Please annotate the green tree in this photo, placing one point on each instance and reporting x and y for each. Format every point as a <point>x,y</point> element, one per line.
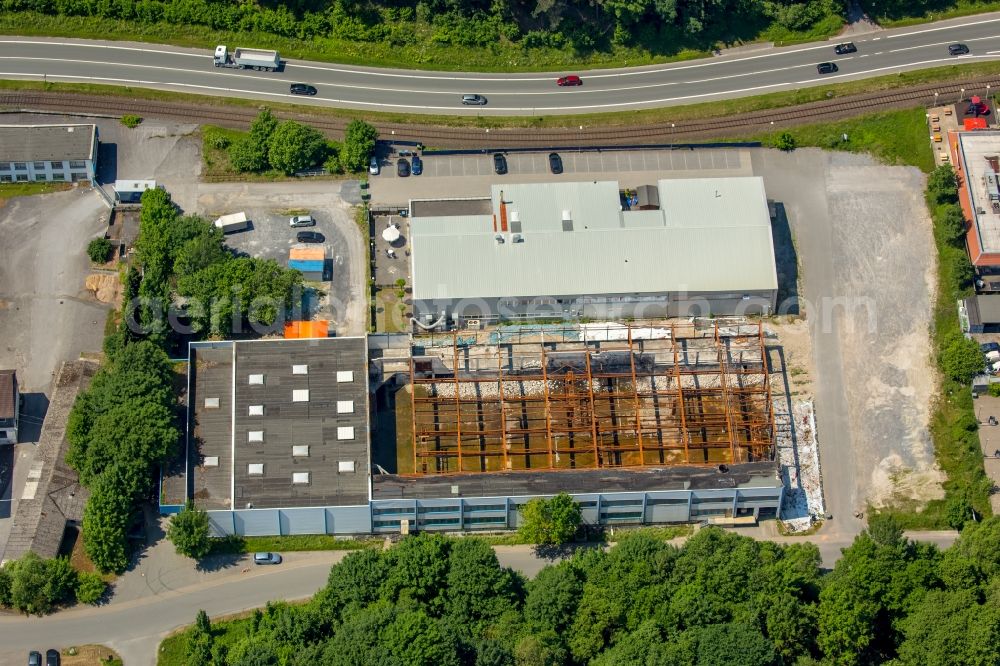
<point>478,591</point>
<point>415,639</point>
<point>734,645</point>
<point>295,147</point>
<point>250,154</point>
<point>358,146</point>
<point>550,521</point>
<point>99,250</point>
<point>105,522</point>
<point>541,649</point>
<point>961,358</point>
<point>37,586</point>
<point>785,141</point>
<point>354,583</point>
<point>418,571</point>
<point>553,596</point>
<point>189,531</point>
<point>200,252</point>
<point>884,529</point>
<point>951,627</point>
<point>5,584</point>
<point>942,185</point>
<point>951,223</point>
<point>961,272</point>
<point>90,587</point>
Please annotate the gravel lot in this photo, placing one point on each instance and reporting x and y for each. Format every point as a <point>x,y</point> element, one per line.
<point>269,205</point>
<point>46,314</point>
<point>864,245</point>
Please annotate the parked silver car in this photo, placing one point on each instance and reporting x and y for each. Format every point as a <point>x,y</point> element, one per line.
<point>302,221</point>
<point>266,558</point>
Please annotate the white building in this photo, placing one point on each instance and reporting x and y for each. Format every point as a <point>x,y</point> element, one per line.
<point>53,153</point>
<point>685,247</point>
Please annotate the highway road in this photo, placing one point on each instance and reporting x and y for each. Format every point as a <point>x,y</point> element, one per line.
<point>748,72</point>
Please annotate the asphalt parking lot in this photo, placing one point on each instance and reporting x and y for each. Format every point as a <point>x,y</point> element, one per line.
<point>341,300</point>
<point>630,168</point>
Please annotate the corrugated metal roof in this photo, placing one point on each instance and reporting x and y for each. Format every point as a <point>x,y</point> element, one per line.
<point>712,234</point>
<point>306,265</point>
<point>46,143</point>
<point>307,253</point>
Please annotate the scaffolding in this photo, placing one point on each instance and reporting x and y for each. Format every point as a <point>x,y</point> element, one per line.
<point>695,394</point>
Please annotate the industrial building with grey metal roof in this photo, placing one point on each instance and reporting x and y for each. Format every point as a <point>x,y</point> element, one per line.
<point>588,249</point>
<point>279,423</point>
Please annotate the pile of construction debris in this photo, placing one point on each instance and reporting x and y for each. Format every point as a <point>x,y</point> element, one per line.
<point>798,457</point>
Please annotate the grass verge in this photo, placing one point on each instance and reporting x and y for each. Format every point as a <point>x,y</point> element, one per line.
<point>893,137</point>
<point>901,138</point>
<point>287,544</point>
<point>10,191</point>
<point>961,8</point>
<point>948,74</point>
<point>90,655</point>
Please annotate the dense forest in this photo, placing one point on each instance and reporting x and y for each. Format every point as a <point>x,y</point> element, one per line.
<point>721,599</point>
<point>658,27</point>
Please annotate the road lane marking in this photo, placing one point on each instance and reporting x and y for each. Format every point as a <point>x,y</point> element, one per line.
<point>530,109</point>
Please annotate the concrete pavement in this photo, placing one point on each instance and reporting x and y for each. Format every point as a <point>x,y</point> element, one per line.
<point>733,74</point>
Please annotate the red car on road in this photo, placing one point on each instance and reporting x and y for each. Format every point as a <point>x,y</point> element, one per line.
<point>571,80</point>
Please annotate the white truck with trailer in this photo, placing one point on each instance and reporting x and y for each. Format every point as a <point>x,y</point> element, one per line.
<point>256,59</point>
<point>232,222</point>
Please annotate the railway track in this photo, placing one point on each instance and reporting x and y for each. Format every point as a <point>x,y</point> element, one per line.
<point>239,117</point>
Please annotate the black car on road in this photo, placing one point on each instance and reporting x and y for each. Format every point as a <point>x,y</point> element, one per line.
<point>499,164</point>
<point>845,48</point>
<point>52,658</point>
<point>418,165</point>
<point>309,237</point>
<point>302,89</point>
<point>555,163</point>
<point>827,67</point>
<point>957,49</point>
<point>402,168</point>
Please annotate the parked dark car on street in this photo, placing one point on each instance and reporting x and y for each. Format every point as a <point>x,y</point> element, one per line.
<point>958,49</point>
<point>302,89</point>
<point>418,165</point>
<point>845,48</point>
<point>402,168</point>
<point>555,163</point>
<point>309,237</point>
<point>499,164</point>
<point>52,658</point>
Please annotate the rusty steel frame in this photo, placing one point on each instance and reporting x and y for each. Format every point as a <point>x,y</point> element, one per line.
<point>702,396</point>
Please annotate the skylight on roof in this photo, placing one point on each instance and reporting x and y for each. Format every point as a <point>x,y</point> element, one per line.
<point>257,380</point>
<point>256,410</point>
<point>300,477</point>
<point>300,369</point>
<point>345,406</point>
<point>255,469</point>
<point>345,432</point>
<point>255,436</point>
<point>300,395</point>
<point>345,376</point>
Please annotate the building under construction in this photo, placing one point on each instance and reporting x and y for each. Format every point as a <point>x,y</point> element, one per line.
<point>641,424</point>
<point>592,397</point>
